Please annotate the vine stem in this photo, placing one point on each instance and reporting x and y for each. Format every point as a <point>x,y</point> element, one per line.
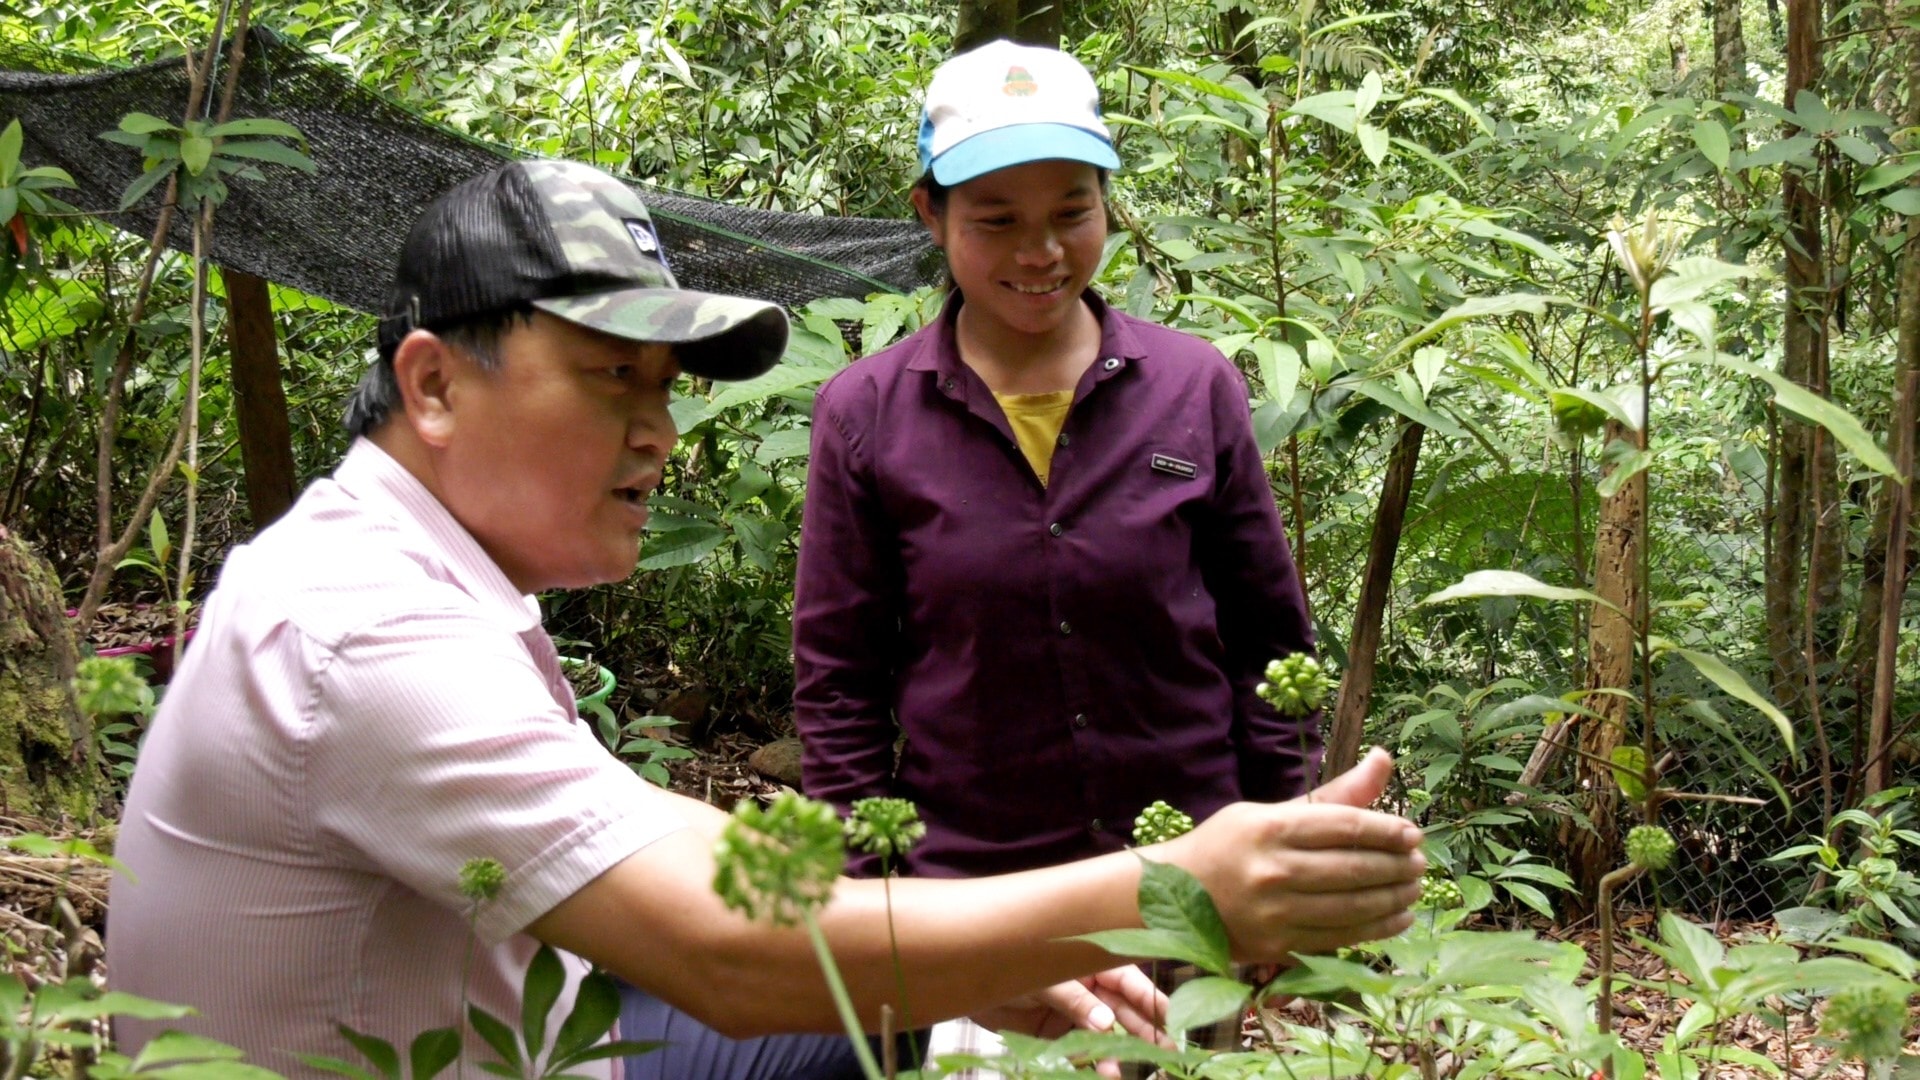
<point>1604,909</point>
<point>840,1000</point>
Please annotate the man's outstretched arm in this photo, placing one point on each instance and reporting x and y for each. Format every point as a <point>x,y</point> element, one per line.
<point>1309,875</point>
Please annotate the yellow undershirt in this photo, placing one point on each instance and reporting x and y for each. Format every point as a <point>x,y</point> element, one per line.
<point>1036,420</point>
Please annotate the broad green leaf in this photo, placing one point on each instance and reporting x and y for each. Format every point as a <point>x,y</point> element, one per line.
<point>11,140</point>
<point>157,539</point>
<point>1693,951</point>
<point>1698,1017</point>
<point>195,152</point>
<point>1735,684</point>
<point>139,123</point>
<point>1473,308</point>
<point>1625,468</point>
<point>1279,368</point>
<point>210,1070</point>
<point>169,1046</point>
<point>1172,899</point>
<point>1709,716</point>
<point>1466,109</point>
<point>1887,174</point>
<point>270,152</point>
<point>1510,583</point>
<point>1151,945</point>
<point>1712,140</point>
<point>1398,402</point>
<point>1798,149</point>
<point>336,1066</point>
<point>1202,1001</point>
<point>117,1003</point>
<point>783,444</point>
<point>1206,87</point>
<point>1905,201</point>
<point>760,539</point>
<point>1373,141</point>
<point>1491,957</point>
<point>432,1051</point>
<point>1566,401</point>
<point>1491,230</point>
<point>254,126</point>
<point>1884,954</point>
<point>148,180</point>
<point>782,378</point>
<point>1815,409</point>
<point>1334,107</point>
<point>498,1036</point>
<point>681,547</point>
<point>1696,317</point>
<point>595,1009</point>
<point>1365,98</point>
<point>1687,279</point>
<point>1630,771</point>
<point>378,1052</point>
<point>9,206</point>
<point>1428,364</point>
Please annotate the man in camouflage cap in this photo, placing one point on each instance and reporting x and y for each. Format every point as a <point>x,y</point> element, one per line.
<point>371,706</point>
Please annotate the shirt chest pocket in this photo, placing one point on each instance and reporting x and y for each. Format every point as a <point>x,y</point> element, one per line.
<point>1167,483</point>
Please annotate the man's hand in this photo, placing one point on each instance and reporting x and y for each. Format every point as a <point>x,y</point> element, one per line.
<point>1122,995</point>
<point>1309,875</point>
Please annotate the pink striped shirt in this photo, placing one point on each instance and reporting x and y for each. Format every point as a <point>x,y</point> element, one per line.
<point>369,703</point>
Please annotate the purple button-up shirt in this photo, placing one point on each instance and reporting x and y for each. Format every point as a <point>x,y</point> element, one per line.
<point>1057,657</point>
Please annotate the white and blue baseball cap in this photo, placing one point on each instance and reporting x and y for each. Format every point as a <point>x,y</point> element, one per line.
<point>1004,104</point>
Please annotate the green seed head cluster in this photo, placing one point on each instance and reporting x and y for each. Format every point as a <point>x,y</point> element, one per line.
<point>1869,1021</point>
<point>884,827</point>
<point>1159,822</point>
<point>1295,685</point>
<point>110,686</point>
<point>779,863</point>
<point>1650,847</point>
<point>1439,892</point>
<point>480,879</point>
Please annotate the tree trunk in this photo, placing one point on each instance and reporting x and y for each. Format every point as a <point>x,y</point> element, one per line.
<point>1800,471</point>
<point>1729,54</point>
<point>1677,50</point>
<point>1032,22</point>
<point>47,758</point>
<point>266,444</point>
<point>1611,644</point>
<point>1899,498</point>
<point>1363,647</point>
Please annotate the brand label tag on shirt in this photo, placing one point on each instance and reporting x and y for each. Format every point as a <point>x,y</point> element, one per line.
<point>1173,466</point>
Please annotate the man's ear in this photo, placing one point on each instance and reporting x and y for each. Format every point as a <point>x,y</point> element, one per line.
<point>923,206</point>
<point>423,368</point>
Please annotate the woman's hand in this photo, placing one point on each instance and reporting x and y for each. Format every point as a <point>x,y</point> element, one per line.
<point>1122,996</point>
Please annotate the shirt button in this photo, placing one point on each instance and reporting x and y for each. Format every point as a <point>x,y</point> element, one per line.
<point>1056,528</point>
<point>1064,439</point>
<point>1066,628</point>
<point>1095,825</point>
<point>1080,720</point>
<point>1111,363</point>
<point>947,386</point>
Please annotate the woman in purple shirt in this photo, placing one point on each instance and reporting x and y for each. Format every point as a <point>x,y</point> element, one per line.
<point>1039,542</point>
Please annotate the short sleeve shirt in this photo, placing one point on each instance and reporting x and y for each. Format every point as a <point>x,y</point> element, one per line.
<point>368,704</point>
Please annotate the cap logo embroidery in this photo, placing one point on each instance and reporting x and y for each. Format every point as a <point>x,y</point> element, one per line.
<point>643,237</point>
<point>1019,83</point>
<point>1173,466</point>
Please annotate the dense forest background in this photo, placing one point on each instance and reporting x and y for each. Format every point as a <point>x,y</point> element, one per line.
<point>1599,320</point>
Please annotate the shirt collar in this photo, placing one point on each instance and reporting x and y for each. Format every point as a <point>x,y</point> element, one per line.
<point>372,476</point>
<point>941,351</point>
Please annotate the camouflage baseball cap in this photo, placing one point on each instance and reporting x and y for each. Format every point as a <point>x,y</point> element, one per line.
<point>572,241</point>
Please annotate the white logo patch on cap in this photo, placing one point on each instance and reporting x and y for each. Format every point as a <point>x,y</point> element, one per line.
<point>643,236</point>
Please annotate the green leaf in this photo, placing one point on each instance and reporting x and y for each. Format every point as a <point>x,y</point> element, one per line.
<point>1625,467</point>
<point>1172,899</point>
<point>616,1048</point>
<point>11,140</point>
<point>1688,279</point>
<point>681,547</point>
<point>1333,107</point>
<point>500,1037</point>
<point>1465,108</point>
<point>1811,407</point>
<point>760,539</point>
<point>1691,950</point>
<point>1279,368</point>
<point>432,1051</point>
<point>1206,87</point>
<point>139,123</point>
<point>195,152</point>
<point>783,444</point>
<point>378,1052</point>
<point>1884,954</point>
<point>1365,98</point>
<point>1204,1000</point>
<point>1567,401</point>
<point>149,180</point>
<point>1797,149</point>
<point>1373,141</point>
<point>270,152</point>
<point>1150,945</point>
<point>1630,771</point>
<point>254,126</point>
<point>782,378</point>
<point>1474,307</point>
<point>170,1046</point>
<point>1905,201</point>
<point>9,206</point>
<point>595,1009</point>
<point>546,978</point>
<point>1419,414</point>
<point>335,1065</point>
<point>1737,686</point>
<point>1509,583</point>
<point>1712,140</point>
<point>117,1003</point>
<point>1887,174</point>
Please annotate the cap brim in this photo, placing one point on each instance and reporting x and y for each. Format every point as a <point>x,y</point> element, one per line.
<point>717,337</point>
<point>1020,144</point>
